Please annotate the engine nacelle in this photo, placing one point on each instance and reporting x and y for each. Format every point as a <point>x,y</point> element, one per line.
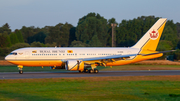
<point>74,65</point>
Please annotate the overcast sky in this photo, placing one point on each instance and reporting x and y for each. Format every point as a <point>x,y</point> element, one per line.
<point>39,13</point>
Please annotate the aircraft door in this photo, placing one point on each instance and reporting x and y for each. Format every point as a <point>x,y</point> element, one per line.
<point>26,54</point>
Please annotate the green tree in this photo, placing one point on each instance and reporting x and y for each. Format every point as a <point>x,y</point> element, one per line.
<point>170,35</point>
<point>8,41</point>
<point>19,45</point>
<point>78,44</point>
<point>39,37</point>
<point>177,55</point>
<point>37,44</point>
<point>14,38</point>
<point>72,35</point>
<point>178,34</point>
<point>59,34</point>
<point>90,25</point>
<point>51,45</point>
<point>164,45</point>
<point>5,29</point>
<point>5,51</point>
<point>4,40</point>
<point>95,42</point>
<point>2,52</point>
<point>28,32</point>
<point>49,40</point>
<point>178,30</point>
<point>19,36</point>
<point>178,45</point>
<point>129,32</point>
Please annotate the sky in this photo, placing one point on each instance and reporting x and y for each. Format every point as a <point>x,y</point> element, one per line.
<point>40,13</point>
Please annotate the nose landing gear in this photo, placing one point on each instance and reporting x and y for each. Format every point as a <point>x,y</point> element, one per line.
<point>20,72</point>
<point>20,69</point>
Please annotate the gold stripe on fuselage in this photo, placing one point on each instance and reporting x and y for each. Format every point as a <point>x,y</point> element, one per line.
<point>37,62</point>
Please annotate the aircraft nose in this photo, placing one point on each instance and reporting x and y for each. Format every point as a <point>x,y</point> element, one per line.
<point>7,57</point>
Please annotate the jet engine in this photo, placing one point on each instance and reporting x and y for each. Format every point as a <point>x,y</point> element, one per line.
<point>74,65</point>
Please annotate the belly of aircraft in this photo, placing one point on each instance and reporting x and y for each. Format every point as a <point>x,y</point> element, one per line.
<point>37,62</point>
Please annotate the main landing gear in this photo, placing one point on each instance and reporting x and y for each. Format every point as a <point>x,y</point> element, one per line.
<point>20,69</point>
<point>92,70</point>
<point>89,71</point>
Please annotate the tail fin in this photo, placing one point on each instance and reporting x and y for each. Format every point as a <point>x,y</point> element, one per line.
<point>151,39</point>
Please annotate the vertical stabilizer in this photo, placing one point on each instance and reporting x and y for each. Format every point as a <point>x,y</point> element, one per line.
<point>151,39</point>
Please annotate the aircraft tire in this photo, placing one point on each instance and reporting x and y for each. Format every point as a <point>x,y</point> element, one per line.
<point>80,71</point>
<point>85,70</point>
<point>20,72</point>
<point>96,71</point>
<point>91,71</point>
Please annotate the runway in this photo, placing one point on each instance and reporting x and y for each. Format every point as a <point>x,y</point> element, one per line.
<point>27,75</point>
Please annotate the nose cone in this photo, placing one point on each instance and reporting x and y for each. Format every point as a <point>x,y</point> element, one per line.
<point>7,58</point>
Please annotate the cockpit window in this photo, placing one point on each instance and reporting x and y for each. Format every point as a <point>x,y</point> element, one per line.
<point>14,53</point>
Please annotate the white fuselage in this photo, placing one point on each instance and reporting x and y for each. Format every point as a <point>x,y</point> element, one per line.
<point>67,53</point>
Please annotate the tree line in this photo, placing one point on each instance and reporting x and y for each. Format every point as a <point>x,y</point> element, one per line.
<point>93,30</point>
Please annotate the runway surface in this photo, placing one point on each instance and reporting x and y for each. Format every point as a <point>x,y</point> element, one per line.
<point>26,75</point>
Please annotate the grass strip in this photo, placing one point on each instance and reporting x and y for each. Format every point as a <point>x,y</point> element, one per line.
<point>101,68</point>
<point>141,88</point>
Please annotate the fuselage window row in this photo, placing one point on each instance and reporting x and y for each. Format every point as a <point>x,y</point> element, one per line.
<point>91,54</point>
<point>43,54</point>
<point>67,54</point>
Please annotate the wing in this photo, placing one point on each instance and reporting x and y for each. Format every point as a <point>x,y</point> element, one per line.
<point>114,58</point>
<point>101,61</point>
<point>109,57</point>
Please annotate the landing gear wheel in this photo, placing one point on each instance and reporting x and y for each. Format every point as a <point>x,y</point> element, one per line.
<point>20,72</point>
<point>81,71</point>
<point>91,71</point>
<point>86,70</point>
<point>96,71</point>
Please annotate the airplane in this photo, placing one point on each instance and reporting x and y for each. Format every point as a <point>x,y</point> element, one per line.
<point>86,59</point>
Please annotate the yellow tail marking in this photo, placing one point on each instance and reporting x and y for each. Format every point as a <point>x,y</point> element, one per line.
<point>151,45</point>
